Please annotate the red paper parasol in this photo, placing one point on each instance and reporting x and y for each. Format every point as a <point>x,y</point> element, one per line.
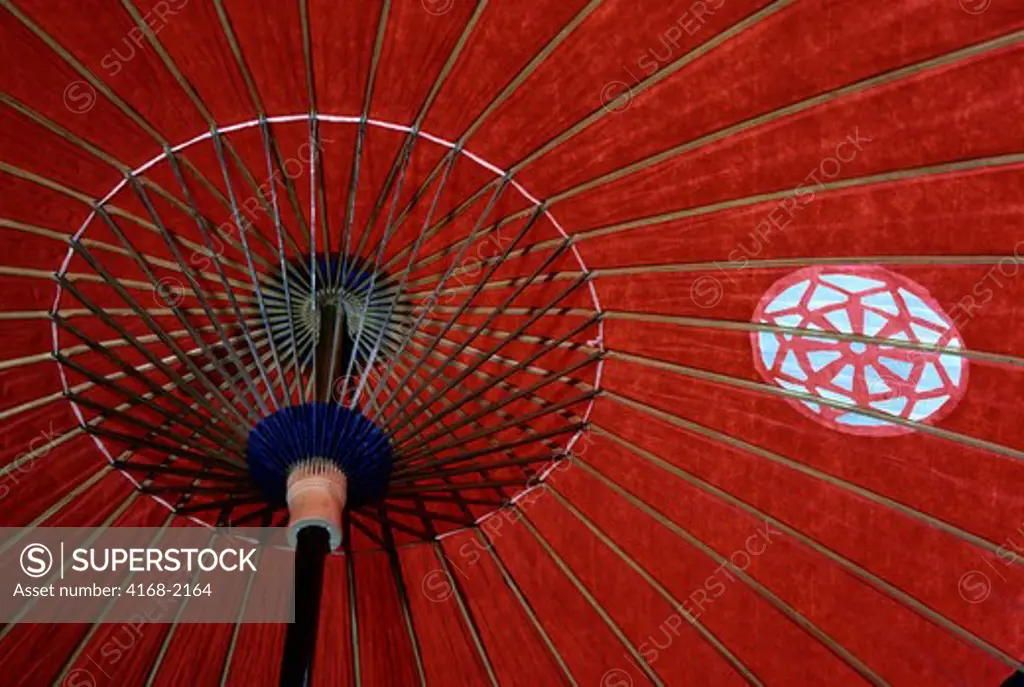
<point>630,343</point>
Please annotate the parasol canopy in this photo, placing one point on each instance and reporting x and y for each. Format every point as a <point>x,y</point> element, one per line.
<point>665,343</point>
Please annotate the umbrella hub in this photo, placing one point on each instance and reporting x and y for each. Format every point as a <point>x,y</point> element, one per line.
<point>363,301</point>
<point>319,458</point>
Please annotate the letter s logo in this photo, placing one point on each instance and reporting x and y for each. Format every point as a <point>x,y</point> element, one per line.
<point>36,560</point>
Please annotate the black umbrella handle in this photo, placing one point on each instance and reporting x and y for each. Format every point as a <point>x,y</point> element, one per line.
<point>312,547</point>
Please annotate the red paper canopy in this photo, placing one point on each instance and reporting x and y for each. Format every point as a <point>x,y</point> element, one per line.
<point>754,267</point>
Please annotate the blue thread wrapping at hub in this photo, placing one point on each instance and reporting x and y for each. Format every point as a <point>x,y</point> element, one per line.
<point>320,430</point>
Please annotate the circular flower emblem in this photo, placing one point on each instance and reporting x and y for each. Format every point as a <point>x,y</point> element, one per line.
<point>876,304</point>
